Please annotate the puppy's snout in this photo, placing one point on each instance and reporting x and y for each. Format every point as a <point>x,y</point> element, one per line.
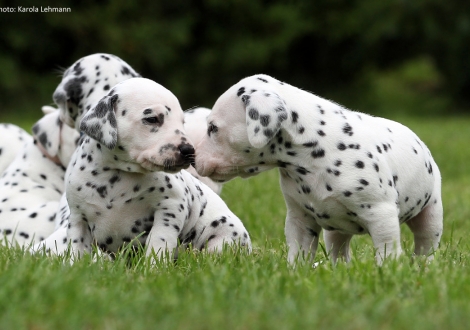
<point>187,151</point>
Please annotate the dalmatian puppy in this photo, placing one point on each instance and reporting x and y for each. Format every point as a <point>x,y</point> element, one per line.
<point>344,171</point>
<point>31,186</point>
<point>86,81</point>
<point>125,182</point>
<point>83,84</point>
<point>195,125</point>
<point>12,139</point>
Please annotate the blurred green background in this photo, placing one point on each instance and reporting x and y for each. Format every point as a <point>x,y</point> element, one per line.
<point>389,57</point>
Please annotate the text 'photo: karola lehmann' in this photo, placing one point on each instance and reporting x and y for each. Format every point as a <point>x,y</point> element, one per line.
<point>35,9</point>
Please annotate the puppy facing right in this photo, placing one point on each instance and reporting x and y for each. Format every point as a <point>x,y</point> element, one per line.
<point>343,171</point>
<point>126,183</point>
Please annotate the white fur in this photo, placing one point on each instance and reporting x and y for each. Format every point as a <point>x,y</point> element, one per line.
<point>195,125</point>
<point>33,183</point>
<point>12,140</point>
<point>343,171</point>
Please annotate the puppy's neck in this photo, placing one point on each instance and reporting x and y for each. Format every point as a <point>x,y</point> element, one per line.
<point>115,159</point>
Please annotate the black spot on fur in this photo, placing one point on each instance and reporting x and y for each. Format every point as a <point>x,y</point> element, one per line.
<point>318,153</point>
<point>295,116</point>
<point>253,114</point>
<point>359,164</point>
<point>264,120</point>
<point>347,129</point>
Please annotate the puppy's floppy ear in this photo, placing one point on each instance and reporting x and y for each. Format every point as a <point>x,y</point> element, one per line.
<point>46,131</point>
<point>265,112</point>
<point>67,97</point>
<point>100,121</point>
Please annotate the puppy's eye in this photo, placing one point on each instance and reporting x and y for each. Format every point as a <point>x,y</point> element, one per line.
<point>150,120</point>
<point>212,129</point>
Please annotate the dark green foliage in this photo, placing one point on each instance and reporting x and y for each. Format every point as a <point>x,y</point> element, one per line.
<point>199,48</point>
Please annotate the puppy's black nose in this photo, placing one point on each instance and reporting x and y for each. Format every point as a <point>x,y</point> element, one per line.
<point>187,151</point>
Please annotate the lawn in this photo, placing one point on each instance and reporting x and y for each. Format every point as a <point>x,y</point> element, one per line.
<point>260,291</point>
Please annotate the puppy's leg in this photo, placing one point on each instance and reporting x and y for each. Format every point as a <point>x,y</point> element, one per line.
<point>166,228</point>
<point>384,228</point>
<point>337,245</point>
<point>302,239</point>
<point>56,243</point>
<point>221,231</point>
<point>427,227</point>
<point>79,234</point>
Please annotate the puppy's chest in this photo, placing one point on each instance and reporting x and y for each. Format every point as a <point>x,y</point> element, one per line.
<point>317,206</point>
<point>118,206</point>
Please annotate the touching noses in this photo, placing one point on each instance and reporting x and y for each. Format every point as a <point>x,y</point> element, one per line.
<point>187,152</point>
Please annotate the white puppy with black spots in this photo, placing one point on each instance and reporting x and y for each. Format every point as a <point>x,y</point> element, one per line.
<point>195,127</point>
<point>12,140</point>
<point>343,171</point>
<point>83,84</point>
<point>125,182</point>
<point>32,185</point>
<point>86,81</point>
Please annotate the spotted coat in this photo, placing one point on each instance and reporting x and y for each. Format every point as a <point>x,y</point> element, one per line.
<point>86,81</point>
<point>12,140</point>
<point>31,186</point>
<point>344,171</point>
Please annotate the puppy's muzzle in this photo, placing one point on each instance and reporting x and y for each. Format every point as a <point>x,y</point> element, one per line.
<point>187,153</point>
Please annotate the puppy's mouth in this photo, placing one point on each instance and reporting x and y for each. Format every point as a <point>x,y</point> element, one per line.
<point>169,165</point>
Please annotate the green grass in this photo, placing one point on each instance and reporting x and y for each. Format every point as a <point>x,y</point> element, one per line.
<point>260,291</point>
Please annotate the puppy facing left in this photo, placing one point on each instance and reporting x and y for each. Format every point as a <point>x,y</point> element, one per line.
<point>126,183</point>
<point>31,186</point>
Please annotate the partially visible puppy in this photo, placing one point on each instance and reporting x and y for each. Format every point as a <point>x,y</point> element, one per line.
<point>12,140</point>
<point>195,125</point>
<point>86,81</point>
<point>31,186</point>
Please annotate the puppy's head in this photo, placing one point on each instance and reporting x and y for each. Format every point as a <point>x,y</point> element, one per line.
<point>56,140</point>
<point>85,82</point>
<point>242,123</point>
<point>141,122</point>
<point>195,123</point>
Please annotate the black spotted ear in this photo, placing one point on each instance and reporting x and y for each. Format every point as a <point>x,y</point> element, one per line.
<point>265,112</point>
<point>67,96</point>
<point>46,132</point>
<point>100,122</point>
